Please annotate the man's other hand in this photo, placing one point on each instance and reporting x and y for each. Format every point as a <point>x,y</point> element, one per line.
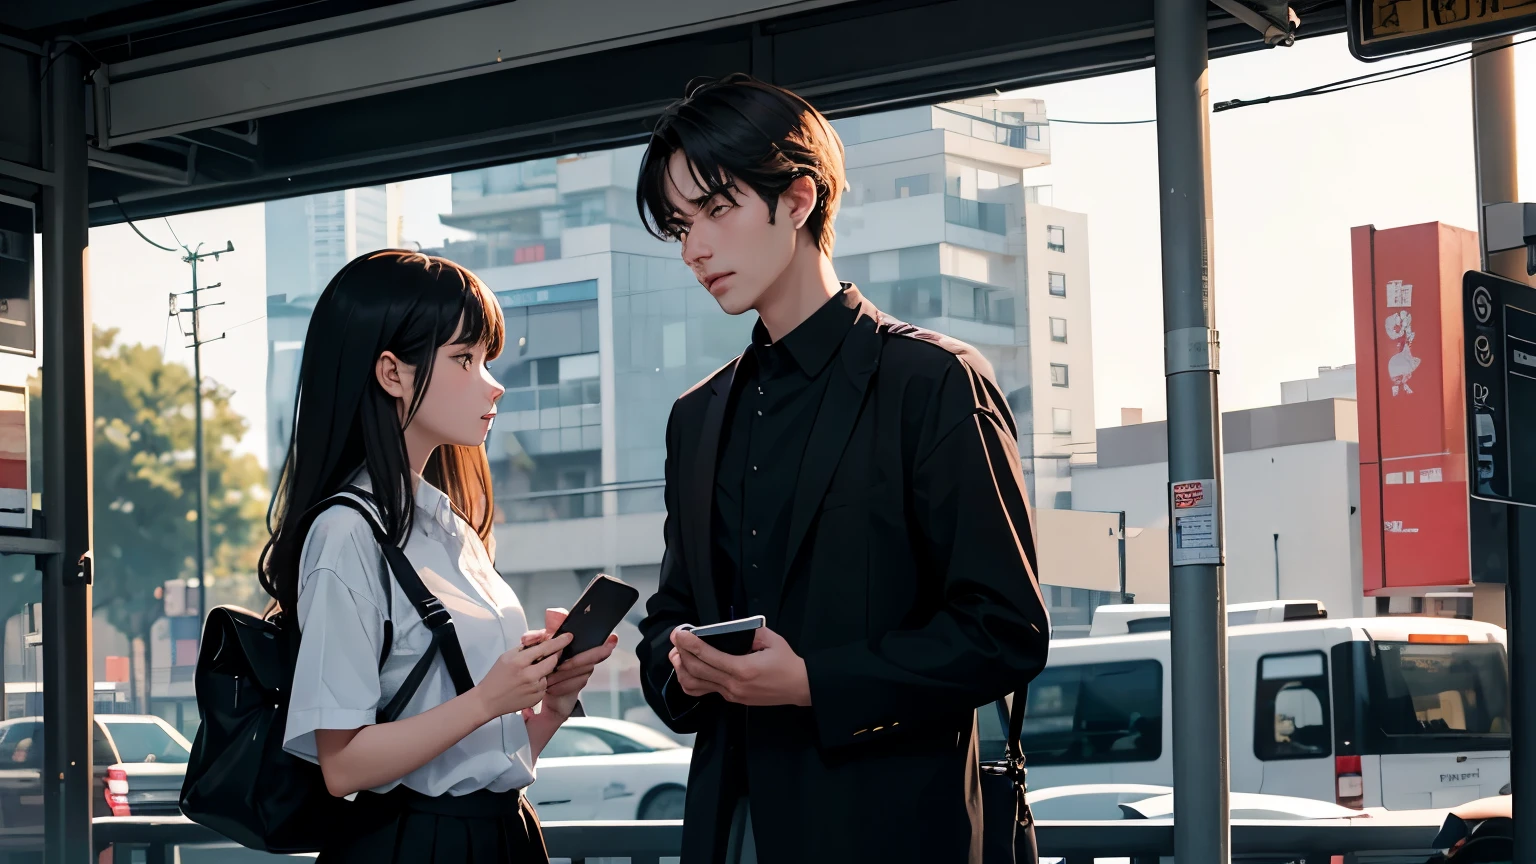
<point>772,674</point>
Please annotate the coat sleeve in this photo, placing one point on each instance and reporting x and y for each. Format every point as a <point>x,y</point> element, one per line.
<point>671,605</point>
<point>990,632</point>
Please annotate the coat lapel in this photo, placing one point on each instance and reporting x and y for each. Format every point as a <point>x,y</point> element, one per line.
<point>839,413</point>
<point>699,509</point>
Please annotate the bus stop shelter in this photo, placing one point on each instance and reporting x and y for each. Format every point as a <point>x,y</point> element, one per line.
<point>131,109</point>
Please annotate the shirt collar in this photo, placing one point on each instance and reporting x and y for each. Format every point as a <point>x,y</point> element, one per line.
<point>813,343</point>
<point>431,501</point>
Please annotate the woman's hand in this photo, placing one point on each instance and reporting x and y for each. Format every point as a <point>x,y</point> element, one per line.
<point>565,685</point>
<point>518,680</point>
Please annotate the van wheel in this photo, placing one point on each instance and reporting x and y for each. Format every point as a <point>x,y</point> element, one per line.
<point>663,802</point>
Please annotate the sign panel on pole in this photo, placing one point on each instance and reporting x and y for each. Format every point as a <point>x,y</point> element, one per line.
<point>1499,321</point>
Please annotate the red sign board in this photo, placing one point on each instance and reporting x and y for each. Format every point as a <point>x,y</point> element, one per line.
<point>1415,531</point>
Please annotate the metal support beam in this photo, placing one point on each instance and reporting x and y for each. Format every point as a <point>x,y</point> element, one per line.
<point>1197,590</point>
<point>1494,142</point>
<point>67,433</point>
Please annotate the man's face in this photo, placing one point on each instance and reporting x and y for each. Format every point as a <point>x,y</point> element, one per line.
<point>732,249</point>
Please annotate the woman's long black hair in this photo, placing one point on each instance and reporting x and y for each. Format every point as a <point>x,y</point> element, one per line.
<point>409,304</point>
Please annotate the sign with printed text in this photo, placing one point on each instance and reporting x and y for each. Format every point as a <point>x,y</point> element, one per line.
<point>1499,320</point>
<point>1386,28</point>
<point>1195,531</point>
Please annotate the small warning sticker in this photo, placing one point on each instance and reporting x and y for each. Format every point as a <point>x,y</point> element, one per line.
<point>1194,538</point>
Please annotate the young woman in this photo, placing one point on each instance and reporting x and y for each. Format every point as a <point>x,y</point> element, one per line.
<point>394,398</point>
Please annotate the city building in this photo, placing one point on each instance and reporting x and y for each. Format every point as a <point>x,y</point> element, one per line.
<point>1292,503</point>
<point>1332,382</point>
<point>606,327</point>
<point>309,239</point>
<point>939,229</point>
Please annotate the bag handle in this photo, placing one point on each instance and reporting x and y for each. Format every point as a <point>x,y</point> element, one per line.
<point>445,639</point>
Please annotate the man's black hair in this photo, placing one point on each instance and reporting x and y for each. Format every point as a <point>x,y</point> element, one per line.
<point>738,129</point>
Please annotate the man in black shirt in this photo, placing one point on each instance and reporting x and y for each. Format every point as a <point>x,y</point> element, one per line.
<point>854,480</point>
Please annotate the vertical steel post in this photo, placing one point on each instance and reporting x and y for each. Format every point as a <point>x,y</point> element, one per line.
<point>1197,589</point>
<point>1494,142</point>
<point>67,463</point>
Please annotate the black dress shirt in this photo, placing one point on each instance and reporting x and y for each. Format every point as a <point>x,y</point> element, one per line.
<point>778,393</point>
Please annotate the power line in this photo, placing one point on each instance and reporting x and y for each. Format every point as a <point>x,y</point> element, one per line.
<point>1381,77</point>
<point>141,233</point>
<point>173,233</point>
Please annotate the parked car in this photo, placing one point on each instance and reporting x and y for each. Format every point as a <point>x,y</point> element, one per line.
<point>139,761</point>
<point>598,768</point>
<point>151,761</point>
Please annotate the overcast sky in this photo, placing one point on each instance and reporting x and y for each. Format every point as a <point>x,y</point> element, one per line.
<point>1290,179</point>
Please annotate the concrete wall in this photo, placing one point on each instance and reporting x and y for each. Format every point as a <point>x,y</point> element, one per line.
<point>1079,549</point>
<point>1278,482</point>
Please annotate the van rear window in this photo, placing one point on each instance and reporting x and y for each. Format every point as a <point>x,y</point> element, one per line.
<point>1440,691</point>
<point>1095,712</point>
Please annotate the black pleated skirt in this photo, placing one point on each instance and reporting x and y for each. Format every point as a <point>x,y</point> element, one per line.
<point>405,826</point>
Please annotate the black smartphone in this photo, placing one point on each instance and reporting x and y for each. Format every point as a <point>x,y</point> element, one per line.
<point>731,637</point>
<point>597,612</point>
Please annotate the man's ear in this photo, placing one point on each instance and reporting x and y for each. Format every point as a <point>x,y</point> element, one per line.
<point>387,371</point>
<point>800,200</point>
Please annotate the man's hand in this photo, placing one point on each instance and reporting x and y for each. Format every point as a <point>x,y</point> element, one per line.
<point>564,685</point>
<point>773,674</point>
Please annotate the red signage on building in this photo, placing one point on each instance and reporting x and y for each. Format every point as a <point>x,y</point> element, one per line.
<point>1414,523</point>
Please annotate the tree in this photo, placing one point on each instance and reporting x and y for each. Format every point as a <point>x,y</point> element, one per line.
<point>146,485</point>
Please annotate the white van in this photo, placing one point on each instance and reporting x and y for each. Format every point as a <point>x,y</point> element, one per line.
<point>1395,712</point>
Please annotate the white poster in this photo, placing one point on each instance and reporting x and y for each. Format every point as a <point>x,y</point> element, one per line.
<point>1193,505</point>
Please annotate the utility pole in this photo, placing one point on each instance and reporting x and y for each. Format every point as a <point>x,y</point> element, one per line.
<point>1493,141</point>
<point>192,257</point>
<point>1197,575</point>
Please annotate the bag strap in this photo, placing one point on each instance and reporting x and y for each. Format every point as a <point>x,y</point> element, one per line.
<point>445,639</point>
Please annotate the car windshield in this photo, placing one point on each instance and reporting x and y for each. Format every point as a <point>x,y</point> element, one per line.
<point>1431,689</point>
<point>146,742</point>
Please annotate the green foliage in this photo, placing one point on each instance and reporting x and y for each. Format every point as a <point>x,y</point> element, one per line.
<point>146,485</point>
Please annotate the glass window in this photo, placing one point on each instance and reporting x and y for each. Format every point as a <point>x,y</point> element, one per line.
<point>101,749</point>
<point>1061,421</point>
<point>1291,708</point>
<point>1058,329</point>
<point>962,300</point>
<point>917,298</point>
<point>1093,713</point>
<point>1058,284</point>
<point>21,744</point>
<point>992,731</point>
<point>1438,690</point>
<point>1056,238</point>
<point>1059,375</point>
<point>911,187</point>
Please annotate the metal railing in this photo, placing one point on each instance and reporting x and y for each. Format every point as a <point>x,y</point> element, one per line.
<point>1392,841</point>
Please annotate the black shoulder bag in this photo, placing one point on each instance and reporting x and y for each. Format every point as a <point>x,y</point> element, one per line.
<point>240,781</point>
<point>1008,828</point>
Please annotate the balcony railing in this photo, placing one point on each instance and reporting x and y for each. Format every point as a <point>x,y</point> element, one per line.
<point>992,218</point>
<point>635,496</point>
